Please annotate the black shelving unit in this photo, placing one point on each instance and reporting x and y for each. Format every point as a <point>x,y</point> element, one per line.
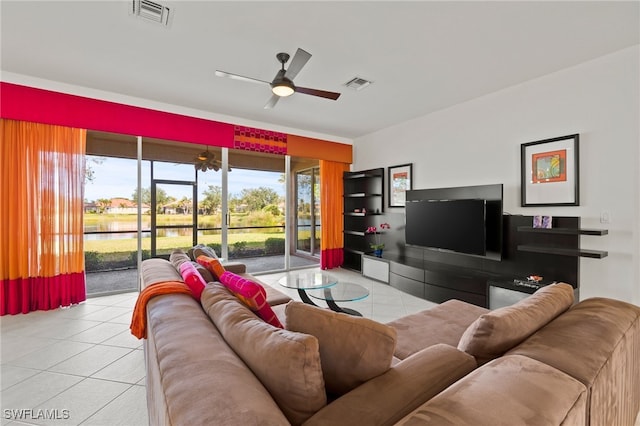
<point>363,202</point>
<point>563,251</point>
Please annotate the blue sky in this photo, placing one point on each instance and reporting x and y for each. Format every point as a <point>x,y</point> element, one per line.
<point>117,177</point>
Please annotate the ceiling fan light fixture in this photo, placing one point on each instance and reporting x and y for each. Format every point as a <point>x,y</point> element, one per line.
<point>283,88</point>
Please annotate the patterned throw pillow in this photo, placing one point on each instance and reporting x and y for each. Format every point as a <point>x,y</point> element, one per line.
<point>252,295</point>
<point>213,265</point>
<point>192,279</point>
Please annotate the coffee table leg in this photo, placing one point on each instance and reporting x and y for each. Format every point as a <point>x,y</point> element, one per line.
<point>305,297</point>
<point>332,305</point>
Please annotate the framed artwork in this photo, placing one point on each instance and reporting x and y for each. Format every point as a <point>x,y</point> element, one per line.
<point>400,178</point>
<point>550,172</point>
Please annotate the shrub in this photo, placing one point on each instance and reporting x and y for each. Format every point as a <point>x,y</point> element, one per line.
<point>239,247</point>
<point>133,256</point>
<point>92,261</point>
<point>274,246</point>
<point>216,247</point>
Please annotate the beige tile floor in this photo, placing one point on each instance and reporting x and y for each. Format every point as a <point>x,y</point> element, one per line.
<point>82,365</point>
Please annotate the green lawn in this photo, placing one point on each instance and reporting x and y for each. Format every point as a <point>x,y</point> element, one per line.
<point>166,243</point>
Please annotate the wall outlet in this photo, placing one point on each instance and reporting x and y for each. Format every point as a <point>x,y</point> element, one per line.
<point>605,216</point>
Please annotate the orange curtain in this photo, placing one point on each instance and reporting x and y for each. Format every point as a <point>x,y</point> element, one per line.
<point>41,204</point>
<point>331,208</point>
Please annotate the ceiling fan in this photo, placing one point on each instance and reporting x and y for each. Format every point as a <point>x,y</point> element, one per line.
<point>282,85</point>
<point>207,160</point>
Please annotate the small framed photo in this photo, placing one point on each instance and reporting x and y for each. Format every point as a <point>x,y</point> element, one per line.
<point>400,178</point>
<point>549,172</point>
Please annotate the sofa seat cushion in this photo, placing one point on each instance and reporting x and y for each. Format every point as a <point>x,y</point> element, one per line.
<point>352,349</point>
<point>286,362</point>
<point>193,376</point>
<point>597,342</point>
<point>389,397</point>
<point>511,390</point>
<point>497,331</point>
<point>444,323</point>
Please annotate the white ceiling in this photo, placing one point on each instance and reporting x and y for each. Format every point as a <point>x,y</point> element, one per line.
<point>422,56</point>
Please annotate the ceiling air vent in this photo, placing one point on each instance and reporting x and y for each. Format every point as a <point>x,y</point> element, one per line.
<point>358,83</point>
<point>152,11</point>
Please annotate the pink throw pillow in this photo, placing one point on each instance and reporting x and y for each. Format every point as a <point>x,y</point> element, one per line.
<point>192,279</point>
<point>252,295</point>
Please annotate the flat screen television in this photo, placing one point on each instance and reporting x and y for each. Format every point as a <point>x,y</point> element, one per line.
<point>456,225</point>
<point>465,220</point>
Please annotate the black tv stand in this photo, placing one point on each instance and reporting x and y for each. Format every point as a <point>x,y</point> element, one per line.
<point>439,276</point>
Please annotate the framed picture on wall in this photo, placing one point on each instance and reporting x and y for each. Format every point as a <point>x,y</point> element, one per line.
<point>400,178</point>
<point>550,172</point>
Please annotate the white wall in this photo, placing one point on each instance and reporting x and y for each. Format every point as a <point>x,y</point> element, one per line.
<point>478,142</point>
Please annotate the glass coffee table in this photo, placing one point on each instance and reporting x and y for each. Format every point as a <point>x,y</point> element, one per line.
<point>341,292</point>
<point>307,280</point>
<point>324,286</point>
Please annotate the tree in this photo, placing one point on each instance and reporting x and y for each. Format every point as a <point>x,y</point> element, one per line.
<point>102,204</point>
<point>89,173</point>
<point>212,199</point>
<point>162,198</point>
<point>185,205</point>
<point>258,198</point>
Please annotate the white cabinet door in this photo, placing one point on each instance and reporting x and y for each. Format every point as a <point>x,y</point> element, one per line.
<point>376,269</point>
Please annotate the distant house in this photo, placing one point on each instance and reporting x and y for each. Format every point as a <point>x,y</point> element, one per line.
<point>90,207</point>
<point>124,206</point>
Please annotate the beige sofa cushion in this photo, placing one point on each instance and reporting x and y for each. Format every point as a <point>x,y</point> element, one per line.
<point>193,376</point>
<point>598,342</point>
<point>352,349</point>
<point>386,399</point>
<point>286,363</point>
<point>444,323</point>
<point>496,332</point>
<point>158,271</point>
<point>511,390</point>
<point>178,257</point>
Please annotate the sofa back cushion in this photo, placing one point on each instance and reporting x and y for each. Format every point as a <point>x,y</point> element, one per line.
<point>353,350</point>
<point>497,331</point>
<point>177,258</point>
<point>286,363</point>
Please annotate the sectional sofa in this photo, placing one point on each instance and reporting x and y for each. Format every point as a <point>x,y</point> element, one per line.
<point>543,361</point>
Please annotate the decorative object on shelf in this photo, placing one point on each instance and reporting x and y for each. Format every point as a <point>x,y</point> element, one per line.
<point>543,222</point>
<point>378,246</point>
<point>400,181</point>
<point>550,172</point>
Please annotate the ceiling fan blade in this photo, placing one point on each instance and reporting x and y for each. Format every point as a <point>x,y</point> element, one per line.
<point>299,60</point>
<point>273,100</point>
<point>240,77</point>
<point>316,92</point>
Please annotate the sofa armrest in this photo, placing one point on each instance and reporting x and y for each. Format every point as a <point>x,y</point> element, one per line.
<point>235,267</point>
<point>387,398</point>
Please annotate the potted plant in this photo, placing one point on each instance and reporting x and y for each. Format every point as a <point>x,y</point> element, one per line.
<point>378,245</point>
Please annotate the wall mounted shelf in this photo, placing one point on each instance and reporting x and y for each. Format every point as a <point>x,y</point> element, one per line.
<point>594,254</point>
<point>566,231</point>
